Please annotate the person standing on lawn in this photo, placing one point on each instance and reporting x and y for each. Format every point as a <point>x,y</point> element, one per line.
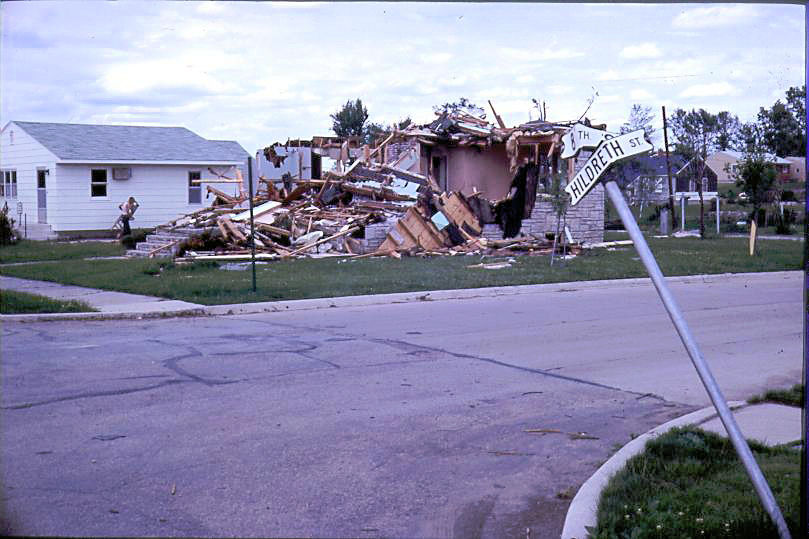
<point>127,213</point>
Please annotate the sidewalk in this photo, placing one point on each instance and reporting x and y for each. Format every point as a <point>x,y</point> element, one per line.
<point>771,424</point>
<point>117,305</point>
<point>109,304</point>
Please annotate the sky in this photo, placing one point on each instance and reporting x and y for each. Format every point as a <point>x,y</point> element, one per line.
<point>265,72</point>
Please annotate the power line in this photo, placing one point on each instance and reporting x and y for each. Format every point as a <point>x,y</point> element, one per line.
<point>652,78</point>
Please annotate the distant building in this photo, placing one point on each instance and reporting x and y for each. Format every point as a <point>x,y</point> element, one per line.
<point>797,168</point>
<point>725,163</point>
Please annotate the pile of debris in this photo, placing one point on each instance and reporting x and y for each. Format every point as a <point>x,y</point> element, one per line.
<point>384,201</point>
<point>334,215</point>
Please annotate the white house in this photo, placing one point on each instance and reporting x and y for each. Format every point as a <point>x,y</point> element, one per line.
<point>72,177</point>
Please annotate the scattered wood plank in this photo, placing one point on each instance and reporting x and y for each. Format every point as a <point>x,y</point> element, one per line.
<point>349,230</point>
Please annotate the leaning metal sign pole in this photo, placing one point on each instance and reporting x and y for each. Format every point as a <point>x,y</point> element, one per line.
<point>606,153</point>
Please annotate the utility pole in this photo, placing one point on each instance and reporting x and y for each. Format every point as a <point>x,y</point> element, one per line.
<point>252,225</point>
<point>668,169</point>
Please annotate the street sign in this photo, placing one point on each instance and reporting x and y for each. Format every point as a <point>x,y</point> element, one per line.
<point>610,151</point>
<point>580,137</point>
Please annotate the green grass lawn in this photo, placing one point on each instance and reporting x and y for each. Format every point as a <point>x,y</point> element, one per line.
<point>27,250</point>
<point>791,397</point>
<point>13,302</point>
<point>206,283</point>
<point>690,483</point>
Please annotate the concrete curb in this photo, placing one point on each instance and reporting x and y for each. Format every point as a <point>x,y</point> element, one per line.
<point>464,293</point>
<point>583,510</point>
<point>128,315</point>
<point>384,299</point>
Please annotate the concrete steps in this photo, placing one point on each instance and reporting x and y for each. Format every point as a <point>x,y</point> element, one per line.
<point>161,238</point>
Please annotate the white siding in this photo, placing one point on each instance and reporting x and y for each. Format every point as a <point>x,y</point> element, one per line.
<point>293,164</point>
<point>24,155</point>
<point>161,191</point>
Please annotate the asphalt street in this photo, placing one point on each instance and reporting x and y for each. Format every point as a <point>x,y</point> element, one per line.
<point>455,418</point>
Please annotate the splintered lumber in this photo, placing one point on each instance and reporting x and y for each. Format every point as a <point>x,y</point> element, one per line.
<point>383,193</point>
<point>258,211</point>
<point>230,230</point>
<point>227,198</point>
<point>406,174</point>
<point>162,247</point>
<point>458,212</point>
<point>497,116</point>
<point>323,240</point>
<point>413,230</point>
<point>222,180</point>
<point>274,230</point>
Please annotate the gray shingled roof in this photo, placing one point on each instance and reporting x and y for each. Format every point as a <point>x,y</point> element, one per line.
<point>126,143</point>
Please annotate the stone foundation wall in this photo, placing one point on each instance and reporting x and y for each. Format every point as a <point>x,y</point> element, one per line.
<point>376,233</point>
<point>585,220</point>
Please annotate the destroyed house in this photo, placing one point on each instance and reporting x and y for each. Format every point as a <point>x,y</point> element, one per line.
<point>65,178</point>
<point>512,167</point>
<point>455,186</point>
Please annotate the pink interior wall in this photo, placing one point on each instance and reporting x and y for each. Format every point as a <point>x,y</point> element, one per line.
<point>487,170</point>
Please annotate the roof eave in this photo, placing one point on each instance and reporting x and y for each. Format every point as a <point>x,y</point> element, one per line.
<point>142,162</point>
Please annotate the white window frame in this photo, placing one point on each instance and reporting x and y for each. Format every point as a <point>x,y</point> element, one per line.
<point>8,183</point>
<point>195,189</point>
<point>105,183</point>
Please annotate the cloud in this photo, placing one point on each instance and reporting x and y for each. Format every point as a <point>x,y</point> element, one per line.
<point>713,89</point>
<point>437,57</point>
<point>529,54</point>
<point>715,16</point>
<point>644,50</point>
<point>560,89</point>
<point>639,94</point>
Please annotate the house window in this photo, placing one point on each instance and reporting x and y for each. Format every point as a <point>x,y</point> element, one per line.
<point>194,189</point>
<point>98,182</point>
<point>8,188</point>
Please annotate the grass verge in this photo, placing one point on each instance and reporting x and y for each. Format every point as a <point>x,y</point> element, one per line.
<point>206,283</point>
<point>13,302</point>
<point>690,483</point>
<point>28,251</point>
<point>791,397</point>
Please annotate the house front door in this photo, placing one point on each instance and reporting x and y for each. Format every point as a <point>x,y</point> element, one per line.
<point>42,197</point>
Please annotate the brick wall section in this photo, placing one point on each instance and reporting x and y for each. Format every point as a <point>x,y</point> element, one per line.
<point>395,149</point>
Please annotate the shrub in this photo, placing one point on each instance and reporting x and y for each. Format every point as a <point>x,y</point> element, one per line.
<point>132,240</point>
<point>7,234</point>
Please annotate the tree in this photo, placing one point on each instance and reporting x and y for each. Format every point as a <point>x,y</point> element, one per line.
<point>350,120</point>
<point>695,135</point>
<point>796,103</point>
<point>373,131</point>
<point>560,201</point>
<point>748,138</point>
<point>462,105</point>
<point>727,131</point>
<point>631,175</point>
<point>783,126</point>
<point>640,117</point>
<point>756,176</point>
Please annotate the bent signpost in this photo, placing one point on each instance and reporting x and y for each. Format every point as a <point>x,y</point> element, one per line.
<point>607,153</point>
